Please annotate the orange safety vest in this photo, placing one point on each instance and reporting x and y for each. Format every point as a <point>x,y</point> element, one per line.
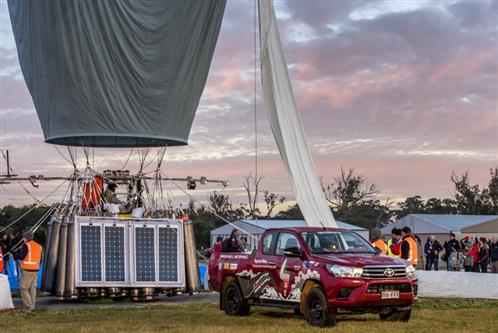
<point>413,253</point>
<point>32,260</point>
<point>1,261</point>
<point>380,244</point>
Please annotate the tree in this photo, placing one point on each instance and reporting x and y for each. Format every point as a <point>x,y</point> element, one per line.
<point>493,190</point>
<point>221,204</point>
<point>470,199</point>
<point>412,205</point>
<point>292,213</point>
<point>252,195</point>
<point>272,200</point>
<point>348,190</point>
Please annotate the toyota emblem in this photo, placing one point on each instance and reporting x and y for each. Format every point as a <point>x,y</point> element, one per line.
<point>389,272</point>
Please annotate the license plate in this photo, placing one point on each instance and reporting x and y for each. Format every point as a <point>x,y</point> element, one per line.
<point>389,294</point>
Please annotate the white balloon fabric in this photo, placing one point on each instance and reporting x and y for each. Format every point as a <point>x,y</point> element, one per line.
<point>5,296</point>
<point>286,123</point>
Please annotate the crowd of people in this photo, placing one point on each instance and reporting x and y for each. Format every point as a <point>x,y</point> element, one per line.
<point>470,254</point>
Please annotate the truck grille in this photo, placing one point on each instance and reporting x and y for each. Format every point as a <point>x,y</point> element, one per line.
<point>378,288</point>
<point>383,272</point>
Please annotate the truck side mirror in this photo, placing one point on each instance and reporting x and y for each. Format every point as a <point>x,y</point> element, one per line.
<point>292,252</point>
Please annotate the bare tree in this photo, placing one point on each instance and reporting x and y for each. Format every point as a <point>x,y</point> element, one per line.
<point>272,200</point>
<point>348,190</point>
<point>251,186</point>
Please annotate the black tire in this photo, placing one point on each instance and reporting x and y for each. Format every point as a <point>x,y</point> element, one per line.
<point>396,315</point>
<point>317,311</point>
<point>235,304</point>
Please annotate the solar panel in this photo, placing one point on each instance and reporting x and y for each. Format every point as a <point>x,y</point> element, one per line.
<point>145,265</point>
<point>168,254</point>
<point>91,264</point>
<point>114,254</point>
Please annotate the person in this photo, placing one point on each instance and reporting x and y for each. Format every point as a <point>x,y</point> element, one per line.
<point>474,252</point>
<point>110,198</point>
<point>409,250</point>
<point>431,250</point>
<point>493,254</point>
<point>394,247</point>
<point>450,246</point>
<point>110,195</point>
<point>483,254</point>
<point>468,258</point>
<point>243,244</point>
<point>1,260</point>
<point>231,244</point>
<point>377,241</point>
<point>30,255</point>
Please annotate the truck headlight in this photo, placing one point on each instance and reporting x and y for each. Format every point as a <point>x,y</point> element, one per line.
<point>345,271</point>
<point>410,270</point>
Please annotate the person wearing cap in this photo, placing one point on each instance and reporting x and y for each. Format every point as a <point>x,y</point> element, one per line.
<point>409,249</point>
<point>452,245</point>
<point>377,241</point>
<point>29,255</point>
<point>394,244</point>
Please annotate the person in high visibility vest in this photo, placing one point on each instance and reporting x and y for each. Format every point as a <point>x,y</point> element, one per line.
<point>394,244</point>
<point>377,241</point>
<point>29,255</point>
<point>1,260</point>
<point>409,248</point>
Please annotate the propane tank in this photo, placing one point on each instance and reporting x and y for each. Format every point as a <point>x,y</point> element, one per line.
<point>48,235</point>
<point>60,278</point>
<point>191,264</point>
<point>71,292</point>
<point>53,250</point>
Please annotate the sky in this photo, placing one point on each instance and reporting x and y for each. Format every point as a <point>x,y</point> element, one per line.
<point>404,92</point>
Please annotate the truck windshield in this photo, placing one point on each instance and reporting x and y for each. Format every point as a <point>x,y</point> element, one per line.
<point>322,242</point>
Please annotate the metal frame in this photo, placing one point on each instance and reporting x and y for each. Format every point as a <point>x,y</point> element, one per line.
<point>130,225</point>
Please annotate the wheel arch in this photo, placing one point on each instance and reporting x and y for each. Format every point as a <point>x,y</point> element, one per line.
<point>308,285</point>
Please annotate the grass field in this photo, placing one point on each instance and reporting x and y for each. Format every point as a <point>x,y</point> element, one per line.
<point>429,315</point>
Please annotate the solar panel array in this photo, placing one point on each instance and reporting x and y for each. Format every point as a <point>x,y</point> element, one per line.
<point>168,254</point>
<point>91,253</point>
<point>129,252</point>
<point>114,254</point>
<point>145,259</point>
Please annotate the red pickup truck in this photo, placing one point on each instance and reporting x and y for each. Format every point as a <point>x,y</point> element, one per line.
<point>320,272</point>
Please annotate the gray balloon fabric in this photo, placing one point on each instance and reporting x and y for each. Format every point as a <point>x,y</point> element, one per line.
<point>116,73</point>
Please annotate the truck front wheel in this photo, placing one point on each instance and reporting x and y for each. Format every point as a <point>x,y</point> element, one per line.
<point>317,311</point>
<point>235,304</point>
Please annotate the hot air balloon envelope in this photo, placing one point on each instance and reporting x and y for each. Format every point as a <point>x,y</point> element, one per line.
<point>116,73</point>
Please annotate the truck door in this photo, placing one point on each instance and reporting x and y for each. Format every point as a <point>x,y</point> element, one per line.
<point>286,267</point>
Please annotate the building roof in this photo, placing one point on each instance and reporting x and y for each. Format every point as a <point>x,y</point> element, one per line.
<point>439,223</point>
<point>267,224</point>
<point>259,226</point>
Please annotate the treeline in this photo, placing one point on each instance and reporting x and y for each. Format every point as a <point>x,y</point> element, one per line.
<point>352,200</point>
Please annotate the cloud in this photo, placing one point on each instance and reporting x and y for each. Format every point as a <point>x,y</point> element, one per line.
<point>405,92</point>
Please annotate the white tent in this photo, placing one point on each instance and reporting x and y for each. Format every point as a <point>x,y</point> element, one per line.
<point>255,228</point>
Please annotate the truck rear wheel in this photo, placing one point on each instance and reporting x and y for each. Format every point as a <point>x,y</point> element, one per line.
<point>396,315</point>
<point>317,311</point>
<point>235,304</point>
